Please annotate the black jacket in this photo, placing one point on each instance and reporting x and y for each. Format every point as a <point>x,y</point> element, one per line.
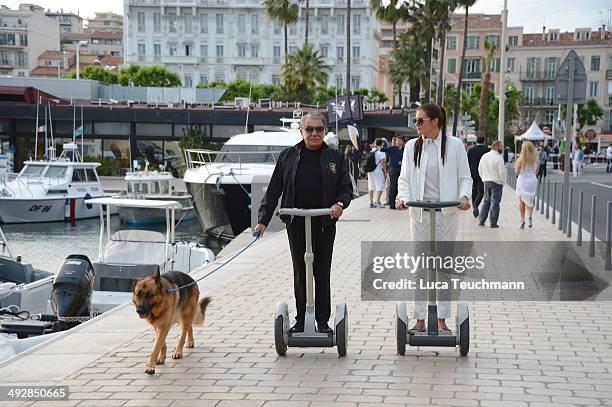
<point>337,185</point>
<point>474,155</point>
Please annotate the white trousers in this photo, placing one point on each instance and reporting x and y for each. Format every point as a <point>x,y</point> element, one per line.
<point>446,230</point>
<point>576,167</point>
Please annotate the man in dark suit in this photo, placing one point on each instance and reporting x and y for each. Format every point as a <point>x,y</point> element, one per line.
<point>474,155</point>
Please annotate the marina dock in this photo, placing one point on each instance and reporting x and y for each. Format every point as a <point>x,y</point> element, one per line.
<point>522,353</point>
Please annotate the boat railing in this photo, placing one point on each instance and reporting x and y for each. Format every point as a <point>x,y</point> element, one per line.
<point>195,158</point>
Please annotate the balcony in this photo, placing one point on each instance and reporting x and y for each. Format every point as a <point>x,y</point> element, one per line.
<point>538,75</point>
<point>609,75</point>
<point>537,102</point>
<point>167,59</point>
<point>472,75</point>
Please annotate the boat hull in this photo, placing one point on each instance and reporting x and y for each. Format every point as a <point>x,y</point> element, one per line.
<point>142,216</point>
<point>44,210</point>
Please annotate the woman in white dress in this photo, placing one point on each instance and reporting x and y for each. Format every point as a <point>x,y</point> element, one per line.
<point>526,167</point>
<point>434,168</point>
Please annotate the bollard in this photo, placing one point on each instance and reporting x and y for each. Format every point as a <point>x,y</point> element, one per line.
<point>579,233</point>
<point>537,197</point>
<point>543,197</point>
<point>592,240</point>
<point>570,205</point>
<point>608,236</point>
<point>547,199</point>
<point>554,209</point>
<point>561,210</point>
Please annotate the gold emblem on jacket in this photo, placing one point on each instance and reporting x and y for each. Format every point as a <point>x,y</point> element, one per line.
<point>332,167</point>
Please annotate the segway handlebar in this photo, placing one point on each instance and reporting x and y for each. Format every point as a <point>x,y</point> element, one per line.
<point>305,212</point>
<point>433,204</point>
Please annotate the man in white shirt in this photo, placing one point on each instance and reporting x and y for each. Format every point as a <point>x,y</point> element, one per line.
<point>492,171</point>
<point>609,157</point>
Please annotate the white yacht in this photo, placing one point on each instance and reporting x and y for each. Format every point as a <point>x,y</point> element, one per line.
<point>153,185</point>
<point>53,190</point>
<point>227,185</point>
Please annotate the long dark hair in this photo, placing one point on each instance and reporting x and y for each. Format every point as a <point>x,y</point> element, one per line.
<point>432,111</point>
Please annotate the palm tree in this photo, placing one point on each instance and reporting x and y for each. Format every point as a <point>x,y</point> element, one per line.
<point>307,20</point>
<point>486,82</point>
<point>285,12</point>
<point>348,47</point>
<point>446,9</point>
<point>409,64</point>
<point>390,14</point>
<point>467,4</point>
<point>304,71</point>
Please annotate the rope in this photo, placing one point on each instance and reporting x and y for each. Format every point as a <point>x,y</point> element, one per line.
<point>235,254</point>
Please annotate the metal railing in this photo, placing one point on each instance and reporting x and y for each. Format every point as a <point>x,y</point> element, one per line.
<point>195,158</point>
<point>551,205</point>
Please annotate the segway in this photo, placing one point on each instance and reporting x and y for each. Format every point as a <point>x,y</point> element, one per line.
<point>310,338</point>
<point>431,336</point>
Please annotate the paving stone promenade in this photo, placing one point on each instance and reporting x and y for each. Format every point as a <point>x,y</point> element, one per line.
<point>522,353</point>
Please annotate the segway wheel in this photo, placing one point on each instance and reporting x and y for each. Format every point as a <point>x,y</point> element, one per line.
<point>342,332</point>
<point>400,328</point>
<point>464,338</point>
<point>279,339</point>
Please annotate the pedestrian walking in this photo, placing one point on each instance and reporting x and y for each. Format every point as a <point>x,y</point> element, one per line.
<point>474,155</point>
<point>609,157</point>
<point>395,153</point>
<point>492,171</point>
<point>577,159</point>
<point>526,167</point>
<point>543,156</point>
<point>376,177</point>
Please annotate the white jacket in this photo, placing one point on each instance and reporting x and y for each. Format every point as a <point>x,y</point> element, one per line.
<point>492,167</point>
<point>455,177</point>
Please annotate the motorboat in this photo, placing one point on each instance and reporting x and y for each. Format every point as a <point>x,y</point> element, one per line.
<point>51,190</point>
<point>227,185</point>
<point>153,185</point>
<point>126,255</point>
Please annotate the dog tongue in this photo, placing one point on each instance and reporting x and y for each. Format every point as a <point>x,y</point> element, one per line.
<point>142,316</point>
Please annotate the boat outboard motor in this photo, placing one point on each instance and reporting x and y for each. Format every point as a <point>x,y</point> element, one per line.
<point>72,288</point>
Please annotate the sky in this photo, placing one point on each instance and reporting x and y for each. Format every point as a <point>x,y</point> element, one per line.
<point>530,14</point>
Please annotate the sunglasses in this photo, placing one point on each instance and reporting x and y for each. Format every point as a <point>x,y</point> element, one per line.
<point>419,121</point>
<point>310,129</point>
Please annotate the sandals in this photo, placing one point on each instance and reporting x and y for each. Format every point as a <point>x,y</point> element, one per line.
<point>522,224</point>
<point>530,222</point>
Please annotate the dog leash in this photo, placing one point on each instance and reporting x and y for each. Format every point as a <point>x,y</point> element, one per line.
<point>256,234</point>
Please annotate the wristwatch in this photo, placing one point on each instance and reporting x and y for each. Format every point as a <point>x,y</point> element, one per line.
<point>341,204</point>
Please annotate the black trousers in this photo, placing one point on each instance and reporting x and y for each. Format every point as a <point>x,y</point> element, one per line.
<point>477,192</point>
<point>322,247</point>
<point>394,173</point>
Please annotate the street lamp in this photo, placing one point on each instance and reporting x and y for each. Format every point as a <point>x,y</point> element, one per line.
<point>78,61</point>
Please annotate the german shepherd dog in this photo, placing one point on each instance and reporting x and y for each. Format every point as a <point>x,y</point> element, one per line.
<point>163,309</point>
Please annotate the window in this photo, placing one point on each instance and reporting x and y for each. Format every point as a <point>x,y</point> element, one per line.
<point>276,52</point>
<point>241,23</point>
<point>7,39</point>
<point>141,52</point>
<point>324,24</point>
<point>187,50</point>
<point>241,50</point>
<point>278,27</point>
<point>583,35</point>
<point>59,172</point>
<point>473,42</point>
<point>510,64</point>
<point>293,49</point>
<point>172,22</point>
<point>141,21</point>
<point>513,40</point>
<point>203,53</point>
<point>219,53</point>
<point>78,175</point>
<point>23,39</point>
<point>532,66</point>
<point>356,24</point>
<point>293,29</point>
<point>551,67</point>
<point>203,78</point>
<point>493,40</point>
<point>340,53</point>
<point>188,22</point>
<point>593,87</point>
<point>339,81</point>
<point>553,36</point>
<point>156,22</point>
<point>340,22</point>
<point>494,65</point>
<point>219,19</point>
<point>204,23</point>
<point>355,82</point>
<point>157,51</point>
<point>21,59</point>
<point>595,62</point>
<point>530,94</point>
<point>549,95</point>
<point>172,49</point>
<point>219,77</point>
<point>356,54</point>
<point>549,116</point>
<point>472,65</point>
<point>254,50</point>
<point>451,43</point>
<point>188,82</point>
<point>324,50</point>
<point>275,80</point>
<point>254,24</point>
<point>452,65</point>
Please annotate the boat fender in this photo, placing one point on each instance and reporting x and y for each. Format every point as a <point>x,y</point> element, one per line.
<point>87,196</point>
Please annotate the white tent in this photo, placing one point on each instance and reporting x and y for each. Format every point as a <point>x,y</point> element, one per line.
<point>534,133</point>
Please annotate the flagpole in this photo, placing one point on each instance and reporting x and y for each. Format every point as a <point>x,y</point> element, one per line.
<point>82,135</point>
<point>36,136</point>
<point>46,142</point>
<point>73,123</point>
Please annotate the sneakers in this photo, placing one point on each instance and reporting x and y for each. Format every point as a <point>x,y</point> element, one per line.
<point>522,224</point>
<point>323,328</point>
<point>481,224</point>
<point>475,212</point>
<point>494,226</point>
<point>297,328</point>
<point>379,205</point>
<point>372,205</point>
<point>530,222</point>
